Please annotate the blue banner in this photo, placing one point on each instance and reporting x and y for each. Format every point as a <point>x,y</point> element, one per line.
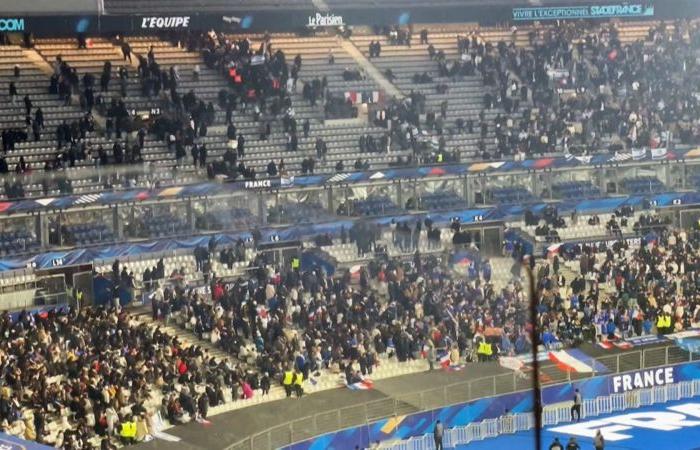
<point>488,408</point>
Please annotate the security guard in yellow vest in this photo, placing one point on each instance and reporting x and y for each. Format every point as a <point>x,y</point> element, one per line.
<point>484,351</point>
<point>287,381</point>
<point>440,157</point>
<point>663,323</point>
<point>127,432</point>
<point>298,383</point>
<point>296,263</point>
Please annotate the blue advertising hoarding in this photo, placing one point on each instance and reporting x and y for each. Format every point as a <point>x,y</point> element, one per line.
<point>403,427</point>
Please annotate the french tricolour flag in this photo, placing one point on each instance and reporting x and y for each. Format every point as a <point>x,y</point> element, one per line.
<point>444,359</point>
<point>363,385</point>
<point>553,250</point>
<point>624,345</point>
<point>607,345</point>
<point>568,363</point>
<point>445,363</point>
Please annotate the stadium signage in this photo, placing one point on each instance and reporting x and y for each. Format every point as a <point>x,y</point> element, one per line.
<point>635,241</point>
<point>642,379</point>
<point>675,418</point>
<point>165,22</point>
<point>255,184</point>
<point>327,20</point>
<point>11,24</point>
<point>583,12</point>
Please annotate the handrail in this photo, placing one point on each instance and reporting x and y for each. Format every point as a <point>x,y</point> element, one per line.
<point>367,413</point>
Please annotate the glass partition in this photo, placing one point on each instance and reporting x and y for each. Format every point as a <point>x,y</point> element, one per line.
<point>82,227</point>
<point>155,220</point>
<point>18,234</point>
<point>574,184</point>
<point>238,212</point>
<point>307,206</point>
<point>435,195</point>
<point>368,200</point>
<point>677,178</point>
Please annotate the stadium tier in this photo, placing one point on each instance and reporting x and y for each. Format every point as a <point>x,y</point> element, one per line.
<point>332,237</point>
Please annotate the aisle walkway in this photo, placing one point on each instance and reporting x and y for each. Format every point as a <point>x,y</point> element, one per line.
<point>371,70</point>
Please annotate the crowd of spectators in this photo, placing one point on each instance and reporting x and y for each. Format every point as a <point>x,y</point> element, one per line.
<point>94,370</point>
<point>624,291</point>
<point>587,89</point>
<point>279,320</point>
<point>81,379</point>
<point>573,88</point>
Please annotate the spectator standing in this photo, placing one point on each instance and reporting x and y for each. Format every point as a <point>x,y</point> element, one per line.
<point>126,51</point>
<point>12,92</point>
<point>430,354</point>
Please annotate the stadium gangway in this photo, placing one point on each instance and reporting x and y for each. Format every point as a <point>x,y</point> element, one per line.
<point>551,415</point>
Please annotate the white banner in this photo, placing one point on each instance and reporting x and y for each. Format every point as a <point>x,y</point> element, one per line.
<point>638,153</point>
<point>659,153</point>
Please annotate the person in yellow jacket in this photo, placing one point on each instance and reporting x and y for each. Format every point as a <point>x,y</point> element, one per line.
<point>127,431</point>
<point>482,350</point>
<point>663,323</point>
<point>298,383</point>
<point>287,382</point>
<point>489,350</point>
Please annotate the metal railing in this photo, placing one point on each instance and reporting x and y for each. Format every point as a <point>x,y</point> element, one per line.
<point>551,415</point>
<point>366,413</point>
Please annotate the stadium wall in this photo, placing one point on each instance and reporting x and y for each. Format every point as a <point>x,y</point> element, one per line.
<point>421,423</point>
<point>44,18</point>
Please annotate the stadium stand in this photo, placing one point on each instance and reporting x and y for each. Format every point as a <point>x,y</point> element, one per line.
<point>231,313</point>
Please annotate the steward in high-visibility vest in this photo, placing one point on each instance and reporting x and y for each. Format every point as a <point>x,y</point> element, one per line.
<point>296,263</point>
<point>483,351</point>
<point>298,383</point>
<point>663,324</point>
<point>128,431</point>
<point>287,381</point>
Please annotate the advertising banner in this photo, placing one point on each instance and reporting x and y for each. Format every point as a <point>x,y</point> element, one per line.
<point>584,12</point>
<point>619,383</point>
